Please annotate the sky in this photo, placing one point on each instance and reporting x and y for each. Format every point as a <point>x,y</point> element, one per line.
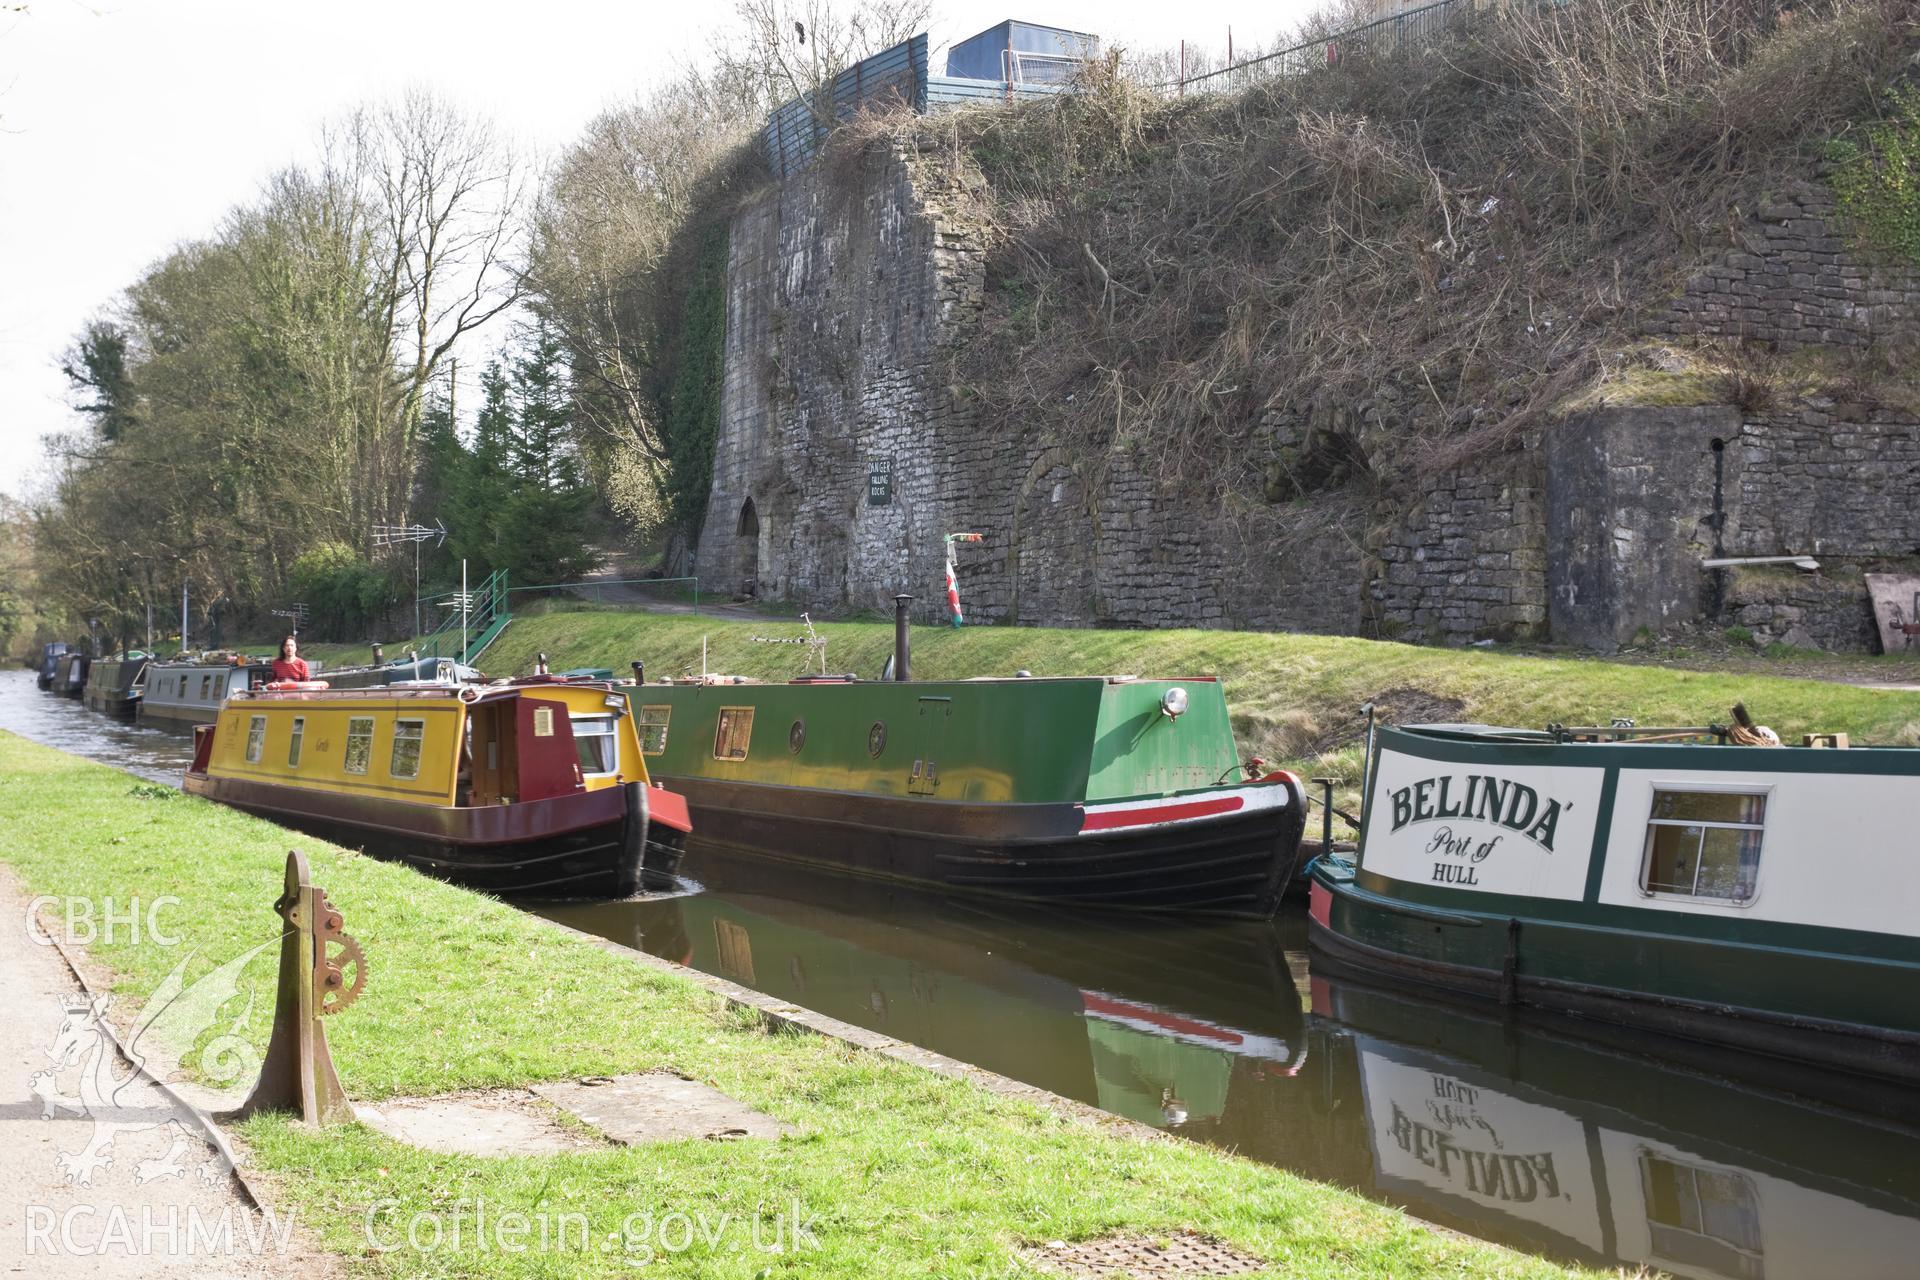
<point>129,126</point>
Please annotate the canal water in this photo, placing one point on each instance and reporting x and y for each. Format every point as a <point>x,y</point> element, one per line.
<point>1555,1136</point>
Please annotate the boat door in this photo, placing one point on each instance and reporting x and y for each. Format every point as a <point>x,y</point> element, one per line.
<point>549,762</point>
<point>522,750</point>
<point>929,745</point>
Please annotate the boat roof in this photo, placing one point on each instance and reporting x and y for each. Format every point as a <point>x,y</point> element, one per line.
<point>416,690</point>
<point>718,679</point>
<point>1478,732</point>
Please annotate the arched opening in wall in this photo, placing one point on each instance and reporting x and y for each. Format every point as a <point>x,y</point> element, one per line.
<point>749,553</point>
<point>1053,547</point>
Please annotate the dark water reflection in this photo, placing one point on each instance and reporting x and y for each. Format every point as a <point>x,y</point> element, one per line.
<point>1535,1133</point>
<point>1528,1132</point>
<point>158,755</point>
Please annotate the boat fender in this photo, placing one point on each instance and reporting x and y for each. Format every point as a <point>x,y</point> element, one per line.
<point>296,686</point>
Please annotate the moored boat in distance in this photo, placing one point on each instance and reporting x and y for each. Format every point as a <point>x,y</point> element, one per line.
<point>534,786</point>
<point>115,685</point>
<point>407,670</point>
<point>1098,791</point>
<point>1757,897</point>
<point>51,657</point>
<point>70,674</point>
<point>192,690</point>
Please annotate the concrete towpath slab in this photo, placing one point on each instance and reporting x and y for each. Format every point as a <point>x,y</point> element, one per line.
<point>101,1174</point>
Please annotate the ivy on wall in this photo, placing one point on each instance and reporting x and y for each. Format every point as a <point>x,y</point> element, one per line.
<point>693,407</point>
<point>1878,181</point>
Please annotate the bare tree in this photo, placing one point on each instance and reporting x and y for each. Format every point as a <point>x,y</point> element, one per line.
<point>439,196</point>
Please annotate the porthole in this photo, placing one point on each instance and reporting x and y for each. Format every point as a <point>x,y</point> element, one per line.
<point>797,736</point>
<point>877,738</point>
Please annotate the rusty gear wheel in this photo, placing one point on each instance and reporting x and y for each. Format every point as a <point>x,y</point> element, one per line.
<point>335,991</point>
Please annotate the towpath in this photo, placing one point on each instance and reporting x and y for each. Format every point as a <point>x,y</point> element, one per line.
<point>144,1210</point>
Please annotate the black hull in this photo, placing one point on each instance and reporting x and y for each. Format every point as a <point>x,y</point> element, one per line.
<point>1237,865</point>
<point>119,707</point>
<point>616,856</point>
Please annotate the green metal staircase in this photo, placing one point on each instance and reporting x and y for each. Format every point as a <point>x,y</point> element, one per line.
<point>487,617</point>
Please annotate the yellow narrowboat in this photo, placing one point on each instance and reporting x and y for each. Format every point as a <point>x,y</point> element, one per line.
<point>524,786</point>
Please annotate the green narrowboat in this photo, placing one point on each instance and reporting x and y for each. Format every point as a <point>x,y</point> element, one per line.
<point>1756,897</point>
<point>1109,792</point>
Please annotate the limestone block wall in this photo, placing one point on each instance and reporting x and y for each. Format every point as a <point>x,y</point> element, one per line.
<point>1793,281</point>
<point>1468,559</point>
<point>848,284</point>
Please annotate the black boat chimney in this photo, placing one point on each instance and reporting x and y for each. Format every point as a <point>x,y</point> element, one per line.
<point>902,644</point>
<point>639,672</point>
<point>379,655</point>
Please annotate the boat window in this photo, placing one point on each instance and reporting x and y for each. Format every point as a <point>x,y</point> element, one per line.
<point>220,687</point>
<point>405,761</point>
<point>206,683</point>
<point>359,743</point>
<point>293,743</point>
<point>653,729</point>
<point>593,738</point>
<point>1704,844</point>
<point>732,732</point>
<point>256,738</point>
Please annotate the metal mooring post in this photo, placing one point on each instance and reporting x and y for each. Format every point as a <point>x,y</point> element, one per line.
<point>297,1073</point>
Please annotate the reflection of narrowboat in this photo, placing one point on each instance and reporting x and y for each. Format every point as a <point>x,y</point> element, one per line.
<point>50,658</point>
<point>191,692</point>
<point>114,685</point>
<point>1111,792</point>
<point>1760,897</point>
<point>1510,1130</point>
<point>70,676</point>
<point>1147,1019</point>
<point>524,787</point>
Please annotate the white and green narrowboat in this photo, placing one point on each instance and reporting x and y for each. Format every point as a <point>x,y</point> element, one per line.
<point>1765,898</point>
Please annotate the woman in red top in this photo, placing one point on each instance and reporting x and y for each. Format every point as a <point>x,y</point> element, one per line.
<point>290,665</point>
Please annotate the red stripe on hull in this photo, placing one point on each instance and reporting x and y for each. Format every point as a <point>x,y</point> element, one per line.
<point>1115,819</point>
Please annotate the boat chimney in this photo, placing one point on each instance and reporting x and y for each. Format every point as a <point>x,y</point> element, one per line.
<point>379,656</point>
<point>902,642</point>
<point>639,672</point>
<point>540,665</point>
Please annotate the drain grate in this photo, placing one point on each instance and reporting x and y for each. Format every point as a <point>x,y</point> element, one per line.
<point>1144,1258</point>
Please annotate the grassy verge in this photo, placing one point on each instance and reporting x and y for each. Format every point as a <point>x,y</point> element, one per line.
<point>901,1171</point>
<point>1295,698</point>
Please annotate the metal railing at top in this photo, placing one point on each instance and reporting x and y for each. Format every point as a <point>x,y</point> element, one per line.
<point>462,637</point>
<point>1383,35</point>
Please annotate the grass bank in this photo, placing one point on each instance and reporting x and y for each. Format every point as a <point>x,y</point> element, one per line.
<point>902,1171</point>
